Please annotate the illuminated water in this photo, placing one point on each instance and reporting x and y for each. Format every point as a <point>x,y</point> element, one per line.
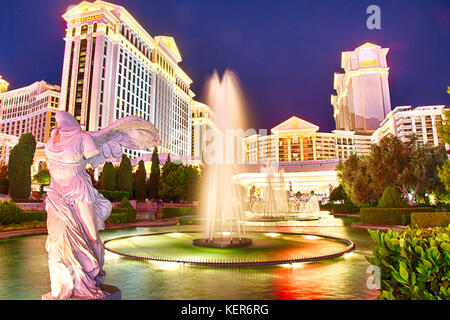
<point>24,273</point>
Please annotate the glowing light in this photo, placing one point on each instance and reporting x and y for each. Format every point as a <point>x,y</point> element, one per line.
<point>312,237</point>
<point>175,235</point>
<point>348,255</point>
<point>169,266</point>
<point>273,235</point>
<point>226,233</point>
<point>297,264</point>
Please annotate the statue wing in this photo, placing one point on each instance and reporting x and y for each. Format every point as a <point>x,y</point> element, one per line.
<point>130,132</point>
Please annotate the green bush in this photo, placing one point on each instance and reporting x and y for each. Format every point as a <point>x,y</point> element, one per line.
<point>414,264</point>
<point>4,186</point>
<point>341,207</point>
<point>176,212</point>
<point>390,216</point>
<point>117,218</point>
<point>34,215</point>
<point>10,213</point>
<point>108,178</point>
<point>430,219</point>
<point>125,207</point>
<point>391,198</point>
<point>114,195</point>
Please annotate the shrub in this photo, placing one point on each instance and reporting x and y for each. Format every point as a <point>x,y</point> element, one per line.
<point>34,215</point>
<point>176,212</point>
<point>108,178</point>
<point>140,187</point>
<point>125,176</point>
<point>10,213</point>
<point>114,195</point>
<point>19,167</point>
<point>414,264</point>
<point>390,216</point>
<point>125,207</point>
<point>341,207</point>
<point>4,186</point>
<point>155,175</point>
<point>117,218</point>
<point>430,219</point>
<point>338,194</point>
<point>391,198</point>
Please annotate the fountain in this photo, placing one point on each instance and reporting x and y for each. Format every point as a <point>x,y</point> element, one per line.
<point>224,241</point>
<point>224,224</point>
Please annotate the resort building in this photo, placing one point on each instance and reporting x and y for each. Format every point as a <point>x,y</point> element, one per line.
<point>114,68</point>
<point>3,85</point>
<point>404,121</point>
<point>202,121</point>
<point>30,109</point>
<point>298,140</point>
<point>363,99</point>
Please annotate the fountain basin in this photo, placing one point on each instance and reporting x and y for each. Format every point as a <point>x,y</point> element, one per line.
<point>268,249</point>
<point>223,242</point>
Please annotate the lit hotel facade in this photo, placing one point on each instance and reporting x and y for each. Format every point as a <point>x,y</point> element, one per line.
<point>405,121</point>
<point>30,109</point>
<point>114,68</point>
<point>363,98</point>
<point>202,121</point>
<point>298,140</point>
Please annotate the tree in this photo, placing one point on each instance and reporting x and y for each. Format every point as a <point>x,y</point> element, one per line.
<point>108,178</point>
<point>338,194</point>
<point>180,183</point>
<point>42,177</point>
<point>139,182</point>
<point>391,198</point>
<point>444,134</point>
<point>19,167</point>
<point>125,176</point>
<point>407,166</point>
<point>153,183</point>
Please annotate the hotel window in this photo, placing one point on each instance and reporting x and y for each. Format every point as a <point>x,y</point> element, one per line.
<point>84,29</point>
<point>73,31</point>
<point>95,27</point>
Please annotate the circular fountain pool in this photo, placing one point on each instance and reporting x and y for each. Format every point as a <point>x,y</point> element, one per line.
<point>268,248</point>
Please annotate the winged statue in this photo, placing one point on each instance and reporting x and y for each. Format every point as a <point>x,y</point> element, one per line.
<point>76,211</point>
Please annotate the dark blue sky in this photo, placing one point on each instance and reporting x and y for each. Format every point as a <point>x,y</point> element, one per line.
<point>285,52</point>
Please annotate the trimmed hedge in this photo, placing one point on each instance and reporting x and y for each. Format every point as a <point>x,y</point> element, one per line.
<point>390,216</point>
<point>341,207</point>
<point>117,218</point>
<point>114,195</point>
<point>10,213</point>
<point>123,213</point>
<point>35,215</point>
<point>430,219</point>
<point>177,212</point>
<point>414,264</point>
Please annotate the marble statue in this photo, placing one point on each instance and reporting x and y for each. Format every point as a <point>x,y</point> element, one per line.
<point>76,211</point>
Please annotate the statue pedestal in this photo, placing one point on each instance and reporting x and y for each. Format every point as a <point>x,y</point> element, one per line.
<point>114,294</point>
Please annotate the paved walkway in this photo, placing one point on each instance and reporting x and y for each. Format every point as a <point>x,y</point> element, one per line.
<point>149,223</point>
<point>362,225</point>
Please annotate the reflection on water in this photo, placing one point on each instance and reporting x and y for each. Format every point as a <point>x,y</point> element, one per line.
<point>24,273</point>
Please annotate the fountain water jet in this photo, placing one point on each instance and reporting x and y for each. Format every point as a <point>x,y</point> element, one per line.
<point>223,198</point>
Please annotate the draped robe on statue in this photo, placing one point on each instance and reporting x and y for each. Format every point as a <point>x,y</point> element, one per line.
<point>76,211</point>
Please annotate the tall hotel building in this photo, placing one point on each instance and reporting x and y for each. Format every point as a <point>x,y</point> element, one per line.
<point>363,100</point>
<point>202,121</point>
<point>404,121</point>
<point>114,68</point>
<point>30,109</point>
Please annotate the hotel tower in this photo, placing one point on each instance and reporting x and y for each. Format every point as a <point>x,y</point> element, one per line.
<point>114,68</point>
<point>363,100</point>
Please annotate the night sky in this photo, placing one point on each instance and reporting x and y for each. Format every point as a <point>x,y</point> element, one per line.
<point>285,52</point>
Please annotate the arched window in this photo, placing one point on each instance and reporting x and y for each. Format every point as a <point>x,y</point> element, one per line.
<point>95,27</point>
<point>84,29</point>
<point>107,30</point>
<point>73,31</point>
